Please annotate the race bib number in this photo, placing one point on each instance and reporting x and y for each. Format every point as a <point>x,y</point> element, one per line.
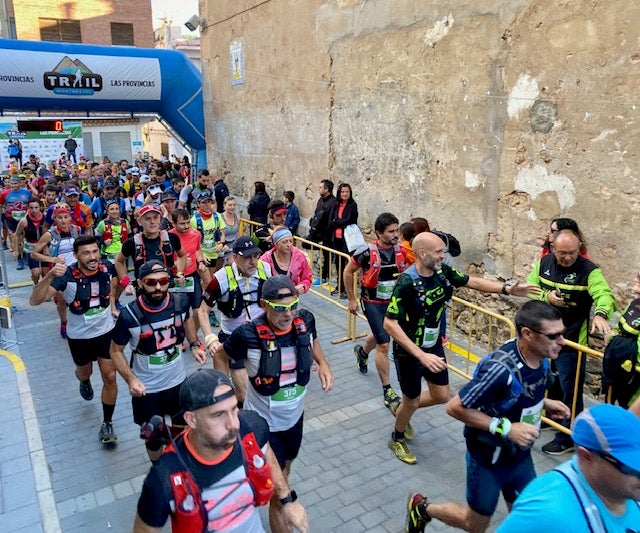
<point>18,215</point>
<point>187,286</point>
<point>29,246</point>
<point>430,337</point>
<point>287,396</point>
<point>384,290</point>
<point>533,415</point>
<point>163,358</point>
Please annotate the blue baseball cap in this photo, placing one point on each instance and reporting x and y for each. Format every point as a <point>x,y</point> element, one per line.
<point>610,429</point>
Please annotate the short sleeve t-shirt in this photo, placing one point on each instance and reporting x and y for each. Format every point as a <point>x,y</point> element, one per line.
<point>387,274</point>
<point>155,335</point>
<point>97,320</point>
<point>245,344</point>
<point>224,487</point>
<point>413,310</point>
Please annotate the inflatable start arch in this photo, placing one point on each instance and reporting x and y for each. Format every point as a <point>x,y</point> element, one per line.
<point>50,78</point>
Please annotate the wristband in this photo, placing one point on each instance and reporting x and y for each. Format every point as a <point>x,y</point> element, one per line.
<point>500,426</point>
<point>210,339</point>
<point>124,281</point>
<point>603,314</point>
<point>504,288</point>
<point>195,344</point>
<point>291,497</point>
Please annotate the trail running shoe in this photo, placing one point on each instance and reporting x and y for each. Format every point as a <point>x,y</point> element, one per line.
<point>391,397</point>
<point>415,522</point>
<point>409,434</point>
<point>107,435</point>
<point>86,390</point>
<point>402,451</point>
<point>20,264</point>
<point>361,358</point>
<point>213,320</point>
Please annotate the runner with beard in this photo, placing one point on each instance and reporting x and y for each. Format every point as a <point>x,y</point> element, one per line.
<point>87,287</point>
<point>28,232</point>
<point>224,489</point>
<point>155,324</point>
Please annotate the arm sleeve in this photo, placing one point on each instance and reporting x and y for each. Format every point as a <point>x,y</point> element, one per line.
<point>601,293</point>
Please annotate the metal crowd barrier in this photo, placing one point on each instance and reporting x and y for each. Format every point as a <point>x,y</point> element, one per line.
<point>480,331</point>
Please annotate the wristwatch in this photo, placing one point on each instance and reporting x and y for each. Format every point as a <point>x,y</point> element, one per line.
<point>291,497</point>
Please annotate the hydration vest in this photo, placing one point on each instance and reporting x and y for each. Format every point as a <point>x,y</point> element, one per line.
<point>235,304</point>
<point>169,336</point>
<point>267,381</point>
<point>370,276</point>
<point>108,232</point>
<point>140,256</point>
<point>56,238</point>
<point>217,235</point>
<point>189,512</point>
<point>512,364</point>
<point>84,299</point>
<point>418,285</point>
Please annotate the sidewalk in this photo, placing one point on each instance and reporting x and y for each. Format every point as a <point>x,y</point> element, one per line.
<point>55,476</point>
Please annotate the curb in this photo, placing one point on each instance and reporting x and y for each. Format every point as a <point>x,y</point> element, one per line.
<point>48,509</point>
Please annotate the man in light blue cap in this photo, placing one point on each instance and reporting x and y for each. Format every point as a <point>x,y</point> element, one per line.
<point>598,490</point>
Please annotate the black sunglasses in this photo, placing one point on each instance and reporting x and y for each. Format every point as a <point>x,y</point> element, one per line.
<point>620,466</point>
<point>550,336</point>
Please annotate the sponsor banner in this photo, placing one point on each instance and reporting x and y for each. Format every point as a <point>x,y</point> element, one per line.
<point>47,145</point>
<point>31,74</point>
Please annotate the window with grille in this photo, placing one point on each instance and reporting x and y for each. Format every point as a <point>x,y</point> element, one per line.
<point>121,34</point>
<point>60,30</point>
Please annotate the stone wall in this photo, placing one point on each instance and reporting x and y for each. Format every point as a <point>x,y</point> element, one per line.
<point>486,117</point>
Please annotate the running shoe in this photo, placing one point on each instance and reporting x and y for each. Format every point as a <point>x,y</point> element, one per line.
<point>107,435</point>
<point>86,390</point>
<point>63,330</point>
<point>213,320</point>
<point>415,521</point>
<point>409,434</point>
<point>319,281</point>
<point>391,397</point>
<point>558,447</point>
<point>361,358</point>
<point>20,264</point>
<point>401,450</point>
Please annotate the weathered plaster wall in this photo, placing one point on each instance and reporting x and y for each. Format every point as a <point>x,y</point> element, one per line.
<point>487,118</point>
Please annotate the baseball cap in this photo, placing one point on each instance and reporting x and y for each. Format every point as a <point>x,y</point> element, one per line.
<point>152,267</point>
<point>197,391</point>
<point>204,195</point>
<point>168,195</point>
<point>154,189</point>
<point>272,287</point>
<point>109,183</point>
<point>149,209</point>
<point>609,429</point>
<point>71,191</point>
<point>244,247</point>
<point>144,178</point>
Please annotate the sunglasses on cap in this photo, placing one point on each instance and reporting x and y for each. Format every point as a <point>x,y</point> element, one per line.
<point>618,465</point>
<point>550,336</point>
<point>151,282</point>
<point>282,308</point>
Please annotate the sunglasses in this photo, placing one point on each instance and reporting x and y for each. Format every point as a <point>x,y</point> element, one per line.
<point>150,282</point>
<point>621,467</point>
<point>281,308</point>
<point>550,336</point>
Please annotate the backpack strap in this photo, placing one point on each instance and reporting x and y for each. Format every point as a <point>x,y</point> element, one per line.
<point>591,513</point>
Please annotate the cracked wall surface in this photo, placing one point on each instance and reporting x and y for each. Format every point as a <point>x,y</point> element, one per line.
<point>488,119</point>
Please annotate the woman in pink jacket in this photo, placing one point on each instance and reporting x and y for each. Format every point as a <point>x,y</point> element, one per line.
<point>288,260</point>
